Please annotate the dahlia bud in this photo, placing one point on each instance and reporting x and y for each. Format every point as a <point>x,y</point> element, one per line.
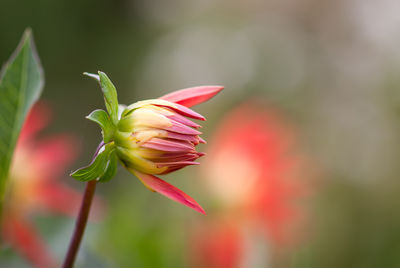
<point>151,137</point>
<point>156,137</point>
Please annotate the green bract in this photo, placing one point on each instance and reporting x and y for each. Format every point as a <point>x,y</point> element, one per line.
<point>104,164</point>
<point>102,118</point>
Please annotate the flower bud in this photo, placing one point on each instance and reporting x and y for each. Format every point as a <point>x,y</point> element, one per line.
<point>151,137</point>
<point>156,137</point>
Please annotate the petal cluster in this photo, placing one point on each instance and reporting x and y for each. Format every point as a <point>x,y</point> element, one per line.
<point>157,136</point>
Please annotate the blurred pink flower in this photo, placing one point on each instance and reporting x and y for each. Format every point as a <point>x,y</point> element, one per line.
<point>216,244</point>
<point>155,137</point>
<point>34,186</point>
<point>257,177</point>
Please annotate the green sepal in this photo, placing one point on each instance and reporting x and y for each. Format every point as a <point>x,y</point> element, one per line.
<point>110,96</point>
<point>111,168</point>
<point>103,119</point>
<point>97,168</point>
<point>109,92</point>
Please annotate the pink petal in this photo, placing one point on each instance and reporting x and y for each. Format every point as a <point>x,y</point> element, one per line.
<point>168,145</point>
<point>184,156</point>
<point>174,166</point>
<point>177,163</point>
<point>192,96</point>
<point>158,185</point>
<point>181,119</point>
<point>192,138</point>
<point>183,129</point>
<point>173,169</point>
<point>23,237</point>
<point>183,110</point>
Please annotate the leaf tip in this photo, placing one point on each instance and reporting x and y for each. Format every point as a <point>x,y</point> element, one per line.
<point>94,76</point>
<point>27,33</point>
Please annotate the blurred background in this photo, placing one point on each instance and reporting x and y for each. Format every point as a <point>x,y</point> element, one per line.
<point>303,143</point>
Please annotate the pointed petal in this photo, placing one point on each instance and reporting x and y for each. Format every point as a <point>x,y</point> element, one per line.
<point>184,137</point>
<point>22,236</point>
<point>181,119</point>
<point>169,145</point>
<point>172,169</point>
<point>158,185</point>
<point>176,158</point>
<point>183,129</point>
<point>177,163</point>
<point>183,110</point>
<point>192,96</point>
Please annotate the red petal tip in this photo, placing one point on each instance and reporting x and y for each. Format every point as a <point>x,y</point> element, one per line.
<point>158,185</point>
<point>193,96</point>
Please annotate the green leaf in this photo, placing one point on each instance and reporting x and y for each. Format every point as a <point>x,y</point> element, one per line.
<point>21,82</point>
<point>110,96</point>
<point>111,169</point>
<point>103,119</point>
<point>98,166</point>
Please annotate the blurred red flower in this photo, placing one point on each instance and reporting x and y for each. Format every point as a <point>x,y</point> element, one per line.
<point>259,180</point>
<point>216,244</point>
<point>34,186</point>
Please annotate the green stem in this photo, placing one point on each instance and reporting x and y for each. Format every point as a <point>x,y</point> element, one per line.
<point>80,224</point>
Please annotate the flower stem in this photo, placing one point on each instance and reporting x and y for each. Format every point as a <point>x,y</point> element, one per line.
<point>80,224</point>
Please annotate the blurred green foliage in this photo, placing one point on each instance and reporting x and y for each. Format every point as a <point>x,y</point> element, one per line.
<point>21,84</point>
<point>326,64</point>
